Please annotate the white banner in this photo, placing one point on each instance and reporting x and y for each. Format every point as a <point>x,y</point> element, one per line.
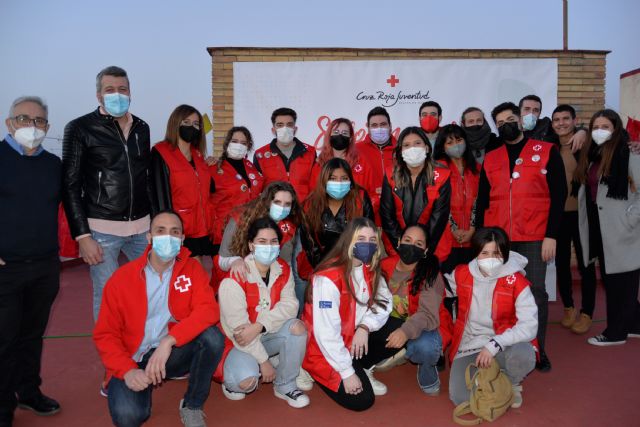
<point>320,91</point>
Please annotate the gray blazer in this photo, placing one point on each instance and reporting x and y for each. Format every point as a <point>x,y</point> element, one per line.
<point>619,224</point>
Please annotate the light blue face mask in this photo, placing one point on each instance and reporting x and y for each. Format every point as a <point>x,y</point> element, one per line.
<point>338,189</point>
<point>266,254</point>
<point>529,121</point>
<point>116,104</point>
<point>278,213</point>
<point>166,247</point>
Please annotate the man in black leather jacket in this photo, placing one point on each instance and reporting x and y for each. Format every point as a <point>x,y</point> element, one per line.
<point>105,158</point>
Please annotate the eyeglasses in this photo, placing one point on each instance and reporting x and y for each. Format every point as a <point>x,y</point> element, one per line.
<point>24,120</point>
<point>341,132</point>
<point>189,123</point>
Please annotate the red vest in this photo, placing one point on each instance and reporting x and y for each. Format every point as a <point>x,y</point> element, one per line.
<point>433,192</point>
<point>380,161</point>
<point>231,190</point>
<point>519,203</point>
<point>464,190</point>
<point>299,173</point>
<point>252,294</point>
<point>189,188</point>
<point>503,306</point>
<point>314,361</point>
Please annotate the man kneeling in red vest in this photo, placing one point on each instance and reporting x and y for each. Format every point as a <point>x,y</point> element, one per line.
<point>156,322</point>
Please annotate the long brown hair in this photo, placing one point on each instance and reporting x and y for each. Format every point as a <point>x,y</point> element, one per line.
<point>173,127</point>
<point>341,256</point>
<point>326,152</point>
<point>318,200</point>
<point>259,207</point>
<point>227,140</point>
<point>401,173</point>
<point>608,148</point>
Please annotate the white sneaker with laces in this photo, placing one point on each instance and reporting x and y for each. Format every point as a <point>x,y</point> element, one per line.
<point>379,389</point>
<point>295,398</point>
<point>602,341</point>
<point>304,381</point>
<point>232,395</point>
<point>393,361</point>
<point>517,396</point>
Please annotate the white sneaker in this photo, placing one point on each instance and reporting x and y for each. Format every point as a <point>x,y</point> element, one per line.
<point>304,381</point>
<point>295,398</point>
<point>393,361</point>
<point>602,341</point>
<point>517,396</point>
<point>379,389</point>
<point>232,395</point>
<point>633,335</point>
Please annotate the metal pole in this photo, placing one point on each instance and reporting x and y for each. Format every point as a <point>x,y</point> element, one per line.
<point>565,25</point>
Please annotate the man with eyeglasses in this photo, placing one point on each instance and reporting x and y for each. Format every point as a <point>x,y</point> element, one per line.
<point>29,263</point>
<point>105,160</point>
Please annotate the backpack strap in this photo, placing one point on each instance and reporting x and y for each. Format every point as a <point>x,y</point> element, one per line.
<point>467,376</point>
<point>463,409</point>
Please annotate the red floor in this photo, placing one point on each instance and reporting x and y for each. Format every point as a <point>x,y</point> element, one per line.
<point>588,386</point>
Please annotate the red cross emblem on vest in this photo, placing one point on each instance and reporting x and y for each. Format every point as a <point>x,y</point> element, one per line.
<point>182,283</point>
<point>511,279</point>
<point>284,227</point>
<point>435,175</point>
<point>537,147</point>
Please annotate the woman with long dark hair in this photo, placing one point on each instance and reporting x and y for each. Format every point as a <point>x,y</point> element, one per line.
<point>418,191</point>
<point>347,312</point>
<point>609,219</point>
<point>417,287</point>
<point>335,201</point>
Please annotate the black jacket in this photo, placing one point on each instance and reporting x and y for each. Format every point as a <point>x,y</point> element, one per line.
<point>104,176</point>
<point>414,202</point>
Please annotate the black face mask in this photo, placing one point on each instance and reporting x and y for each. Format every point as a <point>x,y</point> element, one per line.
<point>339,142</point>
<point>410,254</point>
<point>189,134</point>
<point>509,131</point>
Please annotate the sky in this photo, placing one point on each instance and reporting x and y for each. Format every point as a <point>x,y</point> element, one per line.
<point>54,49</point>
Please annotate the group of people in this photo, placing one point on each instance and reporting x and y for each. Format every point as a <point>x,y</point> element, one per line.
<point>327,265</point>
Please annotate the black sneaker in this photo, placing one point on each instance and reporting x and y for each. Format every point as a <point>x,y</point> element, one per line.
<point>544,365</point>
<point>602,341</point>
<point>40,404</point>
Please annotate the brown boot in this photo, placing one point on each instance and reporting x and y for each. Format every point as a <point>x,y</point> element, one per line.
<point>582,325</point>
<point>569,317</point>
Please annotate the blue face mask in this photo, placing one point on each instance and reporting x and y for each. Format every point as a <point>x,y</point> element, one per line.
<point>166,247</point>
<point>116,104</point>
<point>364,251</point>
<point>338,189</point>
<point>278,213</point>
<point>529,121</point>
<point>266,254</point>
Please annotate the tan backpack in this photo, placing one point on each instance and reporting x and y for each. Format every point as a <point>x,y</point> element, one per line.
<point>491,395</point>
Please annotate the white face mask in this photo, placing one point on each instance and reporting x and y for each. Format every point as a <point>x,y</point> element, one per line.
<point>600,136</point>
<point>414,156</point>
<point>29,137</point>
<point>489,266</point>
<point>236,151</point>
<point>284,135</point>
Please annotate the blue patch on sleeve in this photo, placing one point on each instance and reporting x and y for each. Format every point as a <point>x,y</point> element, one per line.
<point>325,304</point>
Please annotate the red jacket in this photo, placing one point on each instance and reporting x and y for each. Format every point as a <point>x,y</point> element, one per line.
<point>123,313</point>
<point>231,191</point>
<point>380,161</point>
<point>270,162</point>
<point>314,361</point>
<point>464,190</point>
<point>503,307</point>
<point>362,175</point>
<point>189,188</point>
<point>253,298</point>
<point>519,203</point>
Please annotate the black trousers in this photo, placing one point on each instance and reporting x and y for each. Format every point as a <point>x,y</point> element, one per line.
<point>570,233</point>
<point>536,271</point>
<point>27,291</point>
<point>377,353</point>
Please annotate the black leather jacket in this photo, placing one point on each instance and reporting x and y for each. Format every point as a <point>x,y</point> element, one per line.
<point>104,176</point>
<point>413,203</point>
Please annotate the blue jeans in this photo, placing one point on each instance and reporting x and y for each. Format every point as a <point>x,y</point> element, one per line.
<point>199,358</point>
<point>290,349</point>
<point>132,246</point>
<point>425,351</point>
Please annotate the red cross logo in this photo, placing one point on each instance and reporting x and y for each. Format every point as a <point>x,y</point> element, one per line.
<point>182,283</point>
<point>284,227</point>
<point>393,80</point>
<point>511,279</point>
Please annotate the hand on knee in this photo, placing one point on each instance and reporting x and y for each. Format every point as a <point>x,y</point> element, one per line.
<point>297,328</point>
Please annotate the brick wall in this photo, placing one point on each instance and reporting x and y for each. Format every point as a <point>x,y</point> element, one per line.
<point>581,74</point>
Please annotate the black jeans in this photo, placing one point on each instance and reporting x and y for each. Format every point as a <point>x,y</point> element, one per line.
<point>199,358</point>
<point>377,353</point>
<point>27,291</point>
<point>569,232</point>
